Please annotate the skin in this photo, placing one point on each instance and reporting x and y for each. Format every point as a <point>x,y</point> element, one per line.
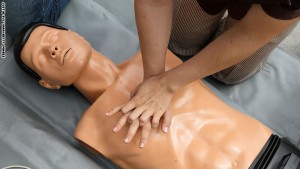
<point>91,74</point>
<point>47,56</point>
<point>154,18</point>
<point>55,57</point>
<point>206,133</point>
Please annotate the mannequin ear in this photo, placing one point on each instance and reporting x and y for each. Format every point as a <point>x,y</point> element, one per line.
<point>48,85</point>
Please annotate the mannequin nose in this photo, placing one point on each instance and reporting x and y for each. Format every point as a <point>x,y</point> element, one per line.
<point>53,52</point>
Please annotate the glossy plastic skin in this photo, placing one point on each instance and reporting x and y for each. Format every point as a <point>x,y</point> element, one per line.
<point>205,132</point>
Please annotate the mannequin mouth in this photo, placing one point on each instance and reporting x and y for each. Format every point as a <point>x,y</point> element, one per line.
<point>64,57</point>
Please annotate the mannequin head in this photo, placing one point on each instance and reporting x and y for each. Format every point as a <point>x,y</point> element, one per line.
<point>52,54</point>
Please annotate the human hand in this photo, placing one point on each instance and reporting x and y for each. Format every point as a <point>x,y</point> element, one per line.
<point>146,128</point>
<point>151,100</point>
<point>133,129</point>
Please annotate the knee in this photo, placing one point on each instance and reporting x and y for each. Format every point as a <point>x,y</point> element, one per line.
<point>235,75</point>
<point>229,80</point>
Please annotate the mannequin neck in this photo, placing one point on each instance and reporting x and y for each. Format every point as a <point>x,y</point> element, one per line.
<point>99,74</point>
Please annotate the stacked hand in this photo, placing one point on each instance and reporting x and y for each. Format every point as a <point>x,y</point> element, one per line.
<point>148,104</point>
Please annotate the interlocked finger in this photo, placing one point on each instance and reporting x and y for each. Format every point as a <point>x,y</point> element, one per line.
<point>128,107</point>
<point>135,114</point>
<point>132,131</point>
<point>145,134</point>
<point>121,123</point>
<point>156,118</point>
<point>146,116</point>
<point>114,111</point>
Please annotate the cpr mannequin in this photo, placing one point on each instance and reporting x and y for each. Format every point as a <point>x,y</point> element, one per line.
<point>205,132</point>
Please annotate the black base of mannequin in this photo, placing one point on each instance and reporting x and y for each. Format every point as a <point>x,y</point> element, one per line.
<point>277,154</point>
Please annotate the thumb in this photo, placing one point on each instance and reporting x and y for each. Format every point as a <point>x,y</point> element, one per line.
<point>167,118</point>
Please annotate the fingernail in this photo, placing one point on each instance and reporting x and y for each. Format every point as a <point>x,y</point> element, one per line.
<point>166,129</point>
<point>142,145</point>
<point>126,140</point>
<point>107,114</point>
<point>115,129</point>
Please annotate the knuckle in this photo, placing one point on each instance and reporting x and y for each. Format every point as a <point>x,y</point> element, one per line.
<point>138,111</point>
<point>131,118</point>
<point>124,109</point>
<point>154,124</point>
<point>150,112</point>
<point>136,123</point>
<point>143,120</point>
<point>142,124</point>
<point>135,99</point>
<point>160,112</point>
<point>156,117</point>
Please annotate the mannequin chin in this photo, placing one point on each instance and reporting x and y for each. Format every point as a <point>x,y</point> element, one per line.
<point>205,132</point>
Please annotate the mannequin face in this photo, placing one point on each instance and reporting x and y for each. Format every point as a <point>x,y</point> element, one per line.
<point>58,56</point>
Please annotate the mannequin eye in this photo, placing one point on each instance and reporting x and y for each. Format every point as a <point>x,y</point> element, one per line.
<point>52,37</point>
<point>41,61</point>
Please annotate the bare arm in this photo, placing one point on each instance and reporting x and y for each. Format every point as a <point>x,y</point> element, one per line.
<point>233,46</point>
<point>154,20</point>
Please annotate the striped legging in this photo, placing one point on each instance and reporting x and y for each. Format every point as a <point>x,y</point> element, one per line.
<point>193,29</point>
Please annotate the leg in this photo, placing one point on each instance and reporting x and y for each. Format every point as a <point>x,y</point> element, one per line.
<point>20,13</point>
<point>253,64</point>
<point>192,28</point>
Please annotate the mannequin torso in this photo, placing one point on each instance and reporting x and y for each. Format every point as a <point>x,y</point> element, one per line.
<point>205,132</point>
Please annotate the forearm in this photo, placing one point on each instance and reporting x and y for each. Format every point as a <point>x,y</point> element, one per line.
<point>230,48</point>
<point>154,20</point>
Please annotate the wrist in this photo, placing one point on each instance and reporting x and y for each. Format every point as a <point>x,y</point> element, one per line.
<point>168,82</point>
<point>149,74</point>
<point>154,66</point>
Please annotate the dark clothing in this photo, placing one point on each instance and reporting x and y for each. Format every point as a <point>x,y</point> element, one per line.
<point>237,9</point>
<point>193,28</point>
<point>20,13</point>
